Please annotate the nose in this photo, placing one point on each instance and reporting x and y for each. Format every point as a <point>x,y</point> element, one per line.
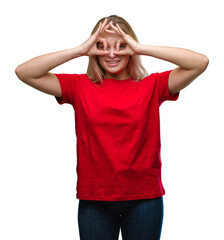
<point>111,54</point>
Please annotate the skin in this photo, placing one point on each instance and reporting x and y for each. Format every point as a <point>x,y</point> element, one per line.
<point>105,44</point>
<point>115,66</point>
<point>36,71</point>
<point>190,64</point>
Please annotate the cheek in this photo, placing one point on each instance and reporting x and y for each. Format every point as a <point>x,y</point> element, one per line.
<point>101,60</point>
<point>126,60</point>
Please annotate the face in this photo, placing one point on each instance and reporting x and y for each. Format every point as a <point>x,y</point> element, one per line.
<point>115,66</point>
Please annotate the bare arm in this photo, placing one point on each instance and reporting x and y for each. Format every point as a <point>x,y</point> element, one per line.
<point>35,72</point>
<point>190,64</point>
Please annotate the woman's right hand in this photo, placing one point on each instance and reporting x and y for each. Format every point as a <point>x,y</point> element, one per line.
<point>89,48</point>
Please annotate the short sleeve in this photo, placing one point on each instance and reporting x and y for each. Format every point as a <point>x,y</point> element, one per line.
<point>163,88</point>
<point>68,83</point>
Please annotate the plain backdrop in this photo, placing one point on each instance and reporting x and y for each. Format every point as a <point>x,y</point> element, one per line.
<point>38,141</point>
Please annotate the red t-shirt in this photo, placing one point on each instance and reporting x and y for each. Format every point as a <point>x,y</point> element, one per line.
<point>118,135</point>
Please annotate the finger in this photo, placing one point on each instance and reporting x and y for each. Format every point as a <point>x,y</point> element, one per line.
<point>120,30</point>
<point>118,45</point>
<point>109,31</point>
<point>98,30</point>
<point>106,28</point>
<point>108,25</point>
<point>104,43</point>
<point>104,24</point>
<point>102,53</point>
<point>114,28</point>
<point>121,52</point>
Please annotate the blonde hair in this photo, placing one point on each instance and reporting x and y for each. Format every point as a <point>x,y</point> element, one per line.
<point>96,73</point>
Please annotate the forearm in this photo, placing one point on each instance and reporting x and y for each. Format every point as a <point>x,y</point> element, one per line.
<point>184,58</point>
<point>39,66</point>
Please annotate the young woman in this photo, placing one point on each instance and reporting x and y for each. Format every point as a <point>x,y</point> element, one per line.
<point>117,125</point>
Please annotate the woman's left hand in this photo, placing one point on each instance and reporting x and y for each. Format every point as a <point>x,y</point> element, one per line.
<point>127,47</point>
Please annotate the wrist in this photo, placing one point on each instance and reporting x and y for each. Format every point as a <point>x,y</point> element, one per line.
<point>81,51</point>
<point>143,49</point>
<point>139,49</point>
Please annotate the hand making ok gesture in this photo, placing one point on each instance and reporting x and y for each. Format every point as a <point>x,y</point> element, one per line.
<point>129,45</point>
<point>126,46</point>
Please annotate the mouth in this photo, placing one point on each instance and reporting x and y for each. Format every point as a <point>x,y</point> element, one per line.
<point>113,63</point>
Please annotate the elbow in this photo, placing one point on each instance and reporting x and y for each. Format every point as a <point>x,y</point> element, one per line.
<point>204,63</point>
<point>19,73</point>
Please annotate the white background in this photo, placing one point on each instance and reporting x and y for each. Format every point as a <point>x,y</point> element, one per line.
<point>38,142</point>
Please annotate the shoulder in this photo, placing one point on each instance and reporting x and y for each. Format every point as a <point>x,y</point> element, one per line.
<point>150,77</point>
<point>158,75</point>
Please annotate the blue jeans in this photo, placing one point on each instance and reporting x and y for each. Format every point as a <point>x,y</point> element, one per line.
<point>137,219</point>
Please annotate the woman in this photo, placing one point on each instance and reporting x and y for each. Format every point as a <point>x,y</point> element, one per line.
<point>117,125</point>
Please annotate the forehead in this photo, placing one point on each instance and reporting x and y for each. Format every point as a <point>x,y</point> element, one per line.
<point>111,37</point>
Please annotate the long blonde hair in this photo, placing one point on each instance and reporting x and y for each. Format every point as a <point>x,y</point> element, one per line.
<point>96,73</point>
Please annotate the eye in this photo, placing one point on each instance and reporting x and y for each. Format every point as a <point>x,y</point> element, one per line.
<point>100,46</point>
<point>123,46</point>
